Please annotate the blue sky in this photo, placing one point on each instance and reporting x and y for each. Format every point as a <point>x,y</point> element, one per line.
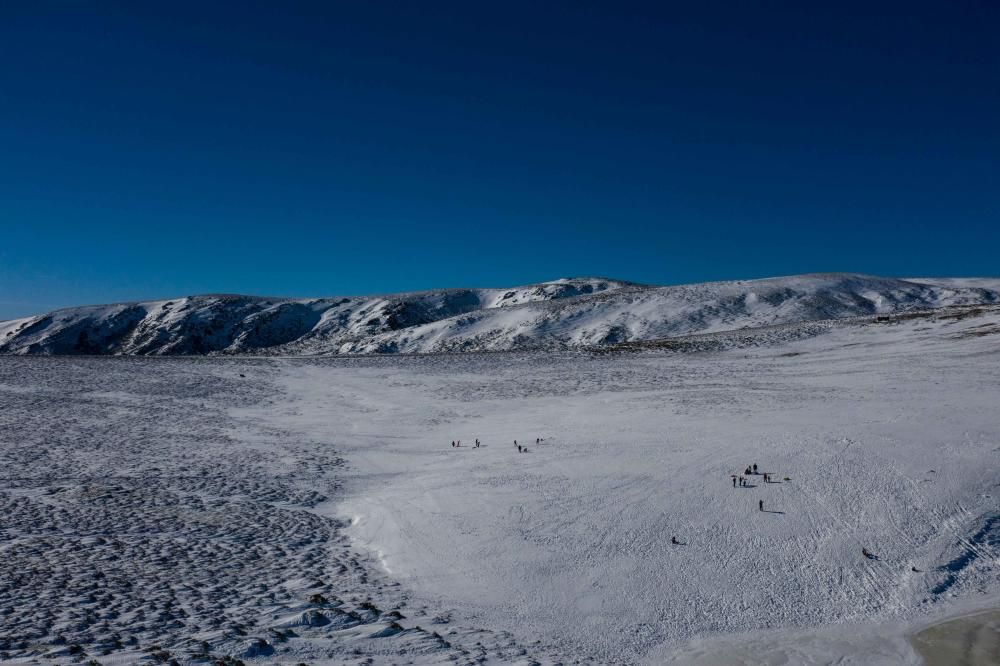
<point>349,148</point>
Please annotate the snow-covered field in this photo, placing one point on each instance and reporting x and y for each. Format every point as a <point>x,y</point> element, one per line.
<point>175,503</point>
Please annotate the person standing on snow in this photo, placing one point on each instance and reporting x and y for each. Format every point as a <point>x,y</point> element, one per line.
<point>760,505</point>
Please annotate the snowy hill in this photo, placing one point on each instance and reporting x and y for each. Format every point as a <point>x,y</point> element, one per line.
<point>563,314</point>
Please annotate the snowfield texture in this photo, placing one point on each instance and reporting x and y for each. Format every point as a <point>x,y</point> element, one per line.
<point>140,521</point>
<point>294,510</point>
<point>561,315</point>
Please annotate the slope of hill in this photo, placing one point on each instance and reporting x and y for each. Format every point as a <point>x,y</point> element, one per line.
<point>563,314</point>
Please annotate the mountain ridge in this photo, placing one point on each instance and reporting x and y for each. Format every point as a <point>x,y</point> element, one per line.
<point>568,313</point>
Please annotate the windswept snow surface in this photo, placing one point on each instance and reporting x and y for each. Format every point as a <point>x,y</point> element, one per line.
<point>170,501</point>
<point>560,315</point>
<point>991,284</point>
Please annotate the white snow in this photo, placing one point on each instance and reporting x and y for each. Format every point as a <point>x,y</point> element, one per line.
<point>564,314</point>
<point>889,437</point>
<point>992,284</point>
<point>228,501</point>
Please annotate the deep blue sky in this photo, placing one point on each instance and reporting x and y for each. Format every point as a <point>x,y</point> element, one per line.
<point>347,148</point>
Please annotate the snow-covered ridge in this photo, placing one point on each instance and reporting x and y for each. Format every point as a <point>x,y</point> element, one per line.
<point>562,314</point>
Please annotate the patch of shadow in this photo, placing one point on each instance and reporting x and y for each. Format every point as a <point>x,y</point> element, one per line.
<point>983,541</point>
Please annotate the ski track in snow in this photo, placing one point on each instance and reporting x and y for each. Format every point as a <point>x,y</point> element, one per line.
<point>171,504</point>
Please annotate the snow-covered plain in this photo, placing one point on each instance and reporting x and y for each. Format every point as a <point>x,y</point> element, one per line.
<point>174,503</point>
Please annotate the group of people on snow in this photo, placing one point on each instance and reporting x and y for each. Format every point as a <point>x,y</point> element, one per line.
<point>744,479</point>
<point>457,443</point>
<point>751,470</point>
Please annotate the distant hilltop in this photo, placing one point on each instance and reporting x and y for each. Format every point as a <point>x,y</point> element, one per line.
<point>572,313</point>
